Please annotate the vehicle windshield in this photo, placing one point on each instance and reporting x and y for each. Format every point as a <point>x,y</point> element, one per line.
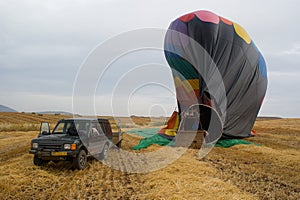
<point>71,128</point>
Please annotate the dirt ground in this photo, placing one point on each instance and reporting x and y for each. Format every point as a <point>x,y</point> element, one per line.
<point>270,170</point>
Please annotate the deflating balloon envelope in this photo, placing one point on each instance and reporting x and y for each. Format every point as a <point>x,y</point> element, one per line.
<point>215,63</point>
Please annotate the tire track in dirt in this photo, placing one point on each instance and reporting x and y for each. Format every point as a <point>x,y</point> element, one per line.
<point>13,152</point>
<point>15,149</point>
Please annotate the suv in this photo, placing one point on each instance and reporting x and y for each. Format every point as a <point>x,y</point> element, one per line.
<point>74,140</point>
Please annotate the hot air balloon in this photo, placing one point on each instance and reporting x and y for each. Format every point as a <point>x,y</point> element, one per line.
<point>216,66</point>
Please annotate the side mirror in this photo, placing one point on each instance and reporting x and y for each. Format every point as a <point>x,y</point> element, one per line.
<point>45,129</point>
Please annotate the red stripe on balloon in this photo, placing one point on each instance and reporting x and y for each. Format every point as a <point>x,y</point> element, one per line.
<point>187,17</point>
<point>226,21</point>
<point>207,16</point>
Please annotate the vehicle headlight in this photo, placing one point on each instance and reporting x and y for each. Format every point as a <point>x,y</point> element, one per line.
<point>70,146</point>
<point>67,146</point>
<point>35,145</point>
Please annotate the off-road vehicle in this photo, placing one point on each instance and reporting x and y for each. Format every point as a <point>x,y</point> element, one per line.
<point>74,140</point>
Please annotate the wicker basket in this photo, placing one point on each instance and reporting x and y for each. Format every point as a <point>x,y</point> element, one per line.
<point>190,139</point>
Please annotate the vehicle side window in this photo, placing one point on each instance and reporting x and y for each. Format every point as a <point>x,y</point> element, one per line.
<point>82,127</point>
<point>96,129</point>
<point>68,125</point>
<point>59,129</point>
<point>71,129</point>
<point>103,128</point>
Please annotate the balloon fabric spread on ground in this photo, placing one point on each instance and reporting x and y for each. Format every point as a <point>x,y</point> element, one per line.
<point>215,63</point>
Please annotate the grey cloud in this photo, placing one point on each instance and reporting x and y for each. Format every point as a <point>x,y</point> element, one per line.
<point>43,43</point>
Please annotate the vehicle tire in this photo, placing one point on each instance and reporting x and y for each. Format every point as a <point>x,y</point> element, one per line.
<point>104,153</point>
<point>38,161</point>
<point>80,161</point>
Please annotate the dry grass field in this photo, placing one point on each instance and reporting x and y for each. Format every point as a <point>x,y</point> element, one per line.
<point>269,171</point>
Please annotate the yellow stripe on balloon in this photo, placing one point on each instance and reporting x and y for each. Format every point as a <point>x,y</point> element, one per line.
<point>194,83</point>
<point>188,85</point>
<point>177,81</point>
<point>191,85</point>
<point>242,33</point>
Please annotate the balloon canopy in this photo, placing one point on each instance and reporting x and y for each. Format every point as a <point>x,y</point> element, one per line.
<point>214,62</point>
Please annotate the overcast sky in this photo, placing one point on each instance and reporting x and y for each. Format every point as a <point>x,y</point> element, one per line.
<point>43,44</point>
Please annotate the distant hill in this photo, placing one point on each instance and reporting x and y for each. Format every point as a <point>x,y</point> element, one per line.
<point>6,109</point>
<point>267,118</point>
<point>55,112</point>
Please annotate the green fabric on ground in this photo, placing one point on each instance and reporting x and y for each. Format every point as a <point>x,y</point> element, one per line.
<point>151,137</point>
<point>231,142</point>
<point>144,132</point>
<point>155,139</point>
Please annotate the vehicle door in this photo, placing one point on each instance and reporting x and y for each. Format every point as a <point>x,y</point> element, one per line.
<point>44,129</point>
<point>96,138</point>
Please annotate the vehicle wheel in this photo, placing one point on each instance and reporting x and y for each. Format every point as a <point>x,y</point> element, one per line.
<point>80,161</point>
<point>104,153</point>
<point>38,161</point>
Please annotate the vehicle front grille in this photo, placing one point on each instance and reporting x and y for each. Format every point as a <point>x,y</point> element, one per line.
<point>50,146</point>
